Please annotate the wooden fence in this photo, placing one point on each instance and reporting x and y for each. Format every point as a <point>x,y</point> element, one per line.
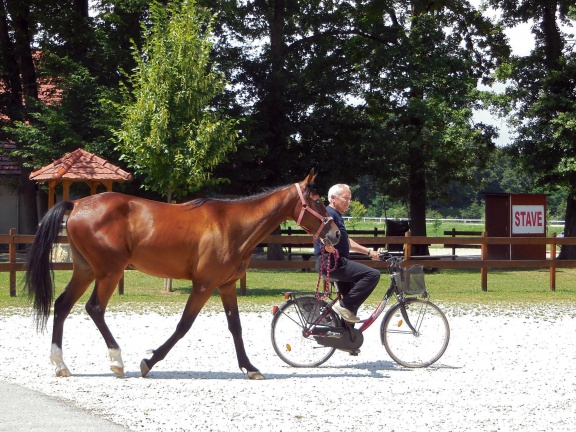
<point>482,262</point>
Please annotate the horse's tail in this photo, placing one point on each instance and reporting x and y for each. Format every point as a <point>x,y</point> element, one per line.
<point>39,281</point>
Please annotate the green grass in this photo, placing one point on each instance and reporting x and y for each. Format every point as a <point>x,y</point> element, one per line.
<point>266,287</point>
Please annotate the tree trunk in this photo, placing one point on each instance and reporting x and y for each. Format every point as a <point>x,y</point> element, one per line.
<point>168,282</point>
<point>274,106</point>
<point>81,7</point>
<point>20,13</point>
<point>553,44</point>
<point>274,251</point>
<point>553,48</point>
<point>417,186</point>
<point>13,55</point>
<point>568,252</point>
<point>10,72</point>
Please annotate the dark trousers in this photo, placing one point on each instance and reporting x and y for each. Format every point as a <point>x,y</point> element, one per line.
<point>356,281</point>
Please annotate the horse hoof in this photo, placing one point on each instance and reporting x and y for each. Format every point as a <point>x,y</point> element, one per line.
<point>63,373</point>
<point>118,371</point>
<point>144,369</point>
<point>256,375</point>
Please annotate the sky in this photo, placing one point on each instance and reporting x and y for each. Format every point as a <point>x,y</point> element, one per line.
<point>521,42</point>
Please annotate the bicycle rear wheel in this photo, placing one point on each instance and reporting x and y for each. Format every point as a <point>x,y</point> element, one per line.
<point>288,326</point>
<point>420,348</point>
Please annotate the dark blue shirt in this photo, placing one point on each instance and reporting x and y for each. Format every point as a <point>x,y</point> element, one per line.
<point>343,246</point>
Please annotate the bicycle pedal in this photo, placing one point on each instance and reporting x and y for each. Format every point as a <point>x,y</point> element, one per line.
<point>351,352</point>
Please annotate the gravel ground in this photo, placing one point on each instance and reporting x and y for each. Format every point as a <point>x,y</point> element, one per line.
<point>506,369</point>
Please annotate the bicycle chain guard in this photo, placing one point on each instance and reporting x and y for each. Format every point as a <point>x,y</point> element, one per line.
<point>347,339</point>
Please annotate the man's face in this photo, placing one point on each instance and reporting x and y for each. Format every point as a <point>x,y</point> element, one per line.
<point>342,201</point>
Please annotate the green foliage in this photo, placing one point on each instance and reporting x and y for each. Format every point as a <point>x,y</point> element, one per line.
<point>436,222</point>
<point>171,133</point>
<point>357,211</point>
<point>540,95</point>
<point>75,118</point>
<point>49,137</point>
<point>420,99</point>
<point>476,210</point>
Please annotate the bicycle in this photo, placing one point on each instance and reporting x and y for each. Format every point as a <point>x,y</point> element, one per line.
<point>414,331</point>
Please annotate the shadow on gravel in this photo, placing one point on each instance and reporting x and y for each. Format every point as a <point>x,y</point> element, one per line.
<point>364,369</point>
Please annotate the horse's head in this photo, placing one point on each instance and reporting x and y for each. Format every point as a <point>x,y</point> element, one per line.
<point>311,214</point>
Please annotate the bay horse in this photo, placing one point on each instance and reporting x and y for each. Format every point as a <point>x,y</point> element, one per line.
<point>207,241</point>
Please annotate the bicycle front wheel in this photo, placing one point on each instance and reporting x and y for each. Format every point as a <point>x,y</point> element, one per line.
<point>422,346</point>
<point>288,326</point>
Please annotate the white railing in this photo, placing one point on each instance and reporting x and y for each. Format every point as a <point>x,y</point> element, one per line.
<point>448,220</point>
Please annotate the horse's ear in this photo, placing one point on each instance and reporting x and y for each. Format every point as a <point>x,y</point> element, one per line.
<point>311,176</point>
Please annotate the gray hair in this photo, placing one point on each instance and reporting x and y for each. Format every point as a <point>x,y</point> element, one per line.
<point>337,190</point>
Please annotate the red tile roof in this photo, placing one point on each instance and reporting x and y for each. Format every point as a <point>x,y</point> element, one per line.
<point>7,165</point>
<point>48,91</point>
<point>80,165</point>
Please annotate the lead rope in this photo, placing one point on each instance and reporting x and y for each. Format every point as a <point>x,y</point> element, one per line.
<point>326,266</point>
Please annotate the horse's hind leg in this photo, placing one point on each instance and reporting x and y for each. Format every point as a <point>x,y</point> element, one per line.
<point>230,303</point>
<point>77,286</point>
<point>96,308</point>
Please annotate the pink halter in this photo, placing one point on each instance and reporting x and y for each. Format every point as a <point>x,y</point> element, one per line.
<point>324,219</point>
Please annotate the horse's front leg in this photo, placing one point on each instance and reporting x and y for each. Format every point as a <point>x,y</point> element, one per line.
<point>230,302</point>
<point>198,297</point>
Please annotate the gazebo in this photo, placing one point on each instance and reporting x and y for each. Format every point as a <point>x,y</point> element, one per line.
<point>79,166</point>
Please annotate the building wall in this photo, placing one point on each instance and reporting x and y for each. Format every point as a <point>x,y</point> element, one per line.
<point>8,209</point>
<point>9,170</point>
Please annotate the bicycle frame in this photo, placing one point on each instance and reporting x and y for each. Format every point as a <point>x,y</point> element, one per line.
<point>365,323</point>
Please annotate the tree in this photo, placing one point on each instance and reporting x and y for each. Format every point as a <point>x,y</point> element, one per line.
<point>290,83</point>
<point>542,99</point>
<point>419,83</point>
<point>75,63</point>
<point>171,133</point>
<point>18,77</point>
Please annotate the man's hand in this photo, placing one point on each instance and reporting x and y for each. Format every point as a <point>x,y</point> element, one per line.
<point>374,255</point>
<point>329,248</point>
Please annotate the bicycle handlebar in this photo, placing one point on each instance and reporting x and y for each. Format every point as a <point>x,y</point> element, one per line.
<point>393,260</point>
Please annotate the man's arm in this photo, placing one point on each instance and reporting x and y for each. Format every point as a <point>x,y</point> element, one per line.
<point>357,247</point>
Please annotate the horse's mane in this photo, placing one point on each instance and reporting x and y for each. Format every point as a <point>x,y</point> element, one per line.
<point>201,201</point>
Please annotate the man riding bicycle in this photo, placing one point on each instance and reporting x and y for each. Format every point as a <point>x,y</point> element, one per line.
<point>356,281</point>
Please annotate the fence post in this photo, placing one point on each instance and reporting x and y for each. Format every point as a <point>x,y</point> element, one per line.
<point>553,262</point>
<point>12,260</point>
<point>243,285</point>
<point>289,246</point>
<point>407,246</point>
<point>484,270</point>
<point>453,245</point>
